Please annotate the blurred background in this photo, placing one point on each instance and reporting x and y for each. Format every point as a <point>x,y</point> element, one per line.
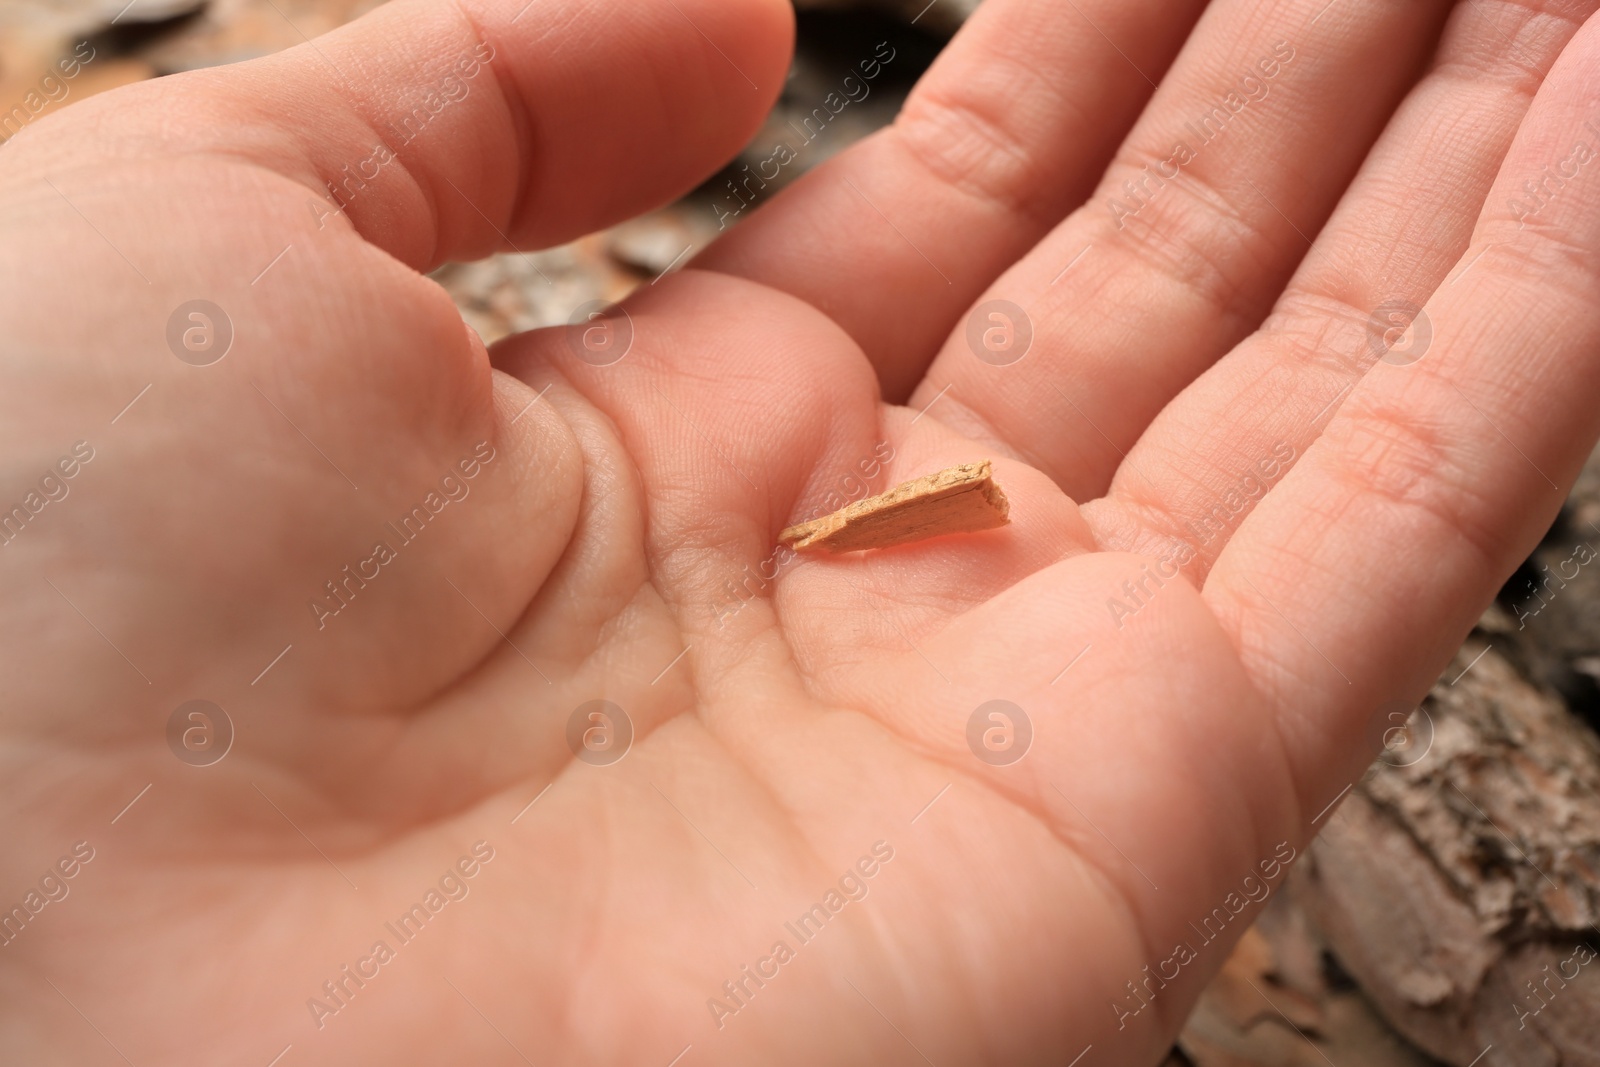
<point>1449,911</point>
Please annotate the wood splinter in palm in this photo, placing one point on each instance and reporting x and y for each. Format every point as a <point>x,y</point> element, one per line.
<point>962,499</point>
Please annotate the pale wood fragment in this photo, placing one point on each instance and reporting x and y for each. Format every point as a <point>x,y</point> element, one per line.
<point>962,499</point>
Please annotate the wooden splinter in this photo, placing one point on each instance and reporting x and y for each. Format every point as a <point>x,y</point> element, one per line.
<point>962,499</point>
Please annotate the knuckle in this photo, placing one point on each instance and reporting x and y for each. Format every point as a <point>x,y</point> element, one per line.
<point>1186,230</point>
<point>1411,464</point>
<point>979,142</point>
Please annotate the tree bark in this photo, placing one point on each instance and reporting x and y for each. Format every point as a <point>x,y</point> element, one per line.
<point>1459,883</point>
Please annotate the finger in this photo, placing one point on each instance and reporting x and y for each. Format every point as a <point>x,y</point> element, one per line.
<point>1005,133</point>
<point>446,130</point>
<point>1189,237</point>
<point>1407,219</point>
<point>1356,579</point>
<point>352,392</point>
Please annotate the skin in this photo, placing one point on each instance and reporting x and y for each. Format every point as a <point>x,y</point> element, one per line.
<point>1184,748</point>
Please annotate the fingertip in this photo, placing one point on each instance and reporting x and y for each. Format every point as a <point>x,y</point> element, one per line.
<point>632,113</point>
<point>448,130</point>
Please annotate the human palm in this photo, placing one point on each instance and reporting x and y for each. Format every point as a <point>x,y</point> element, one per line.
<point>1342,498</point>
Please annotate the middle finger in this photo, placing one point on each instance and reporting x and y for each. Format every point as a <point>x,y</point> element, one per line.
<point>1264,118</point>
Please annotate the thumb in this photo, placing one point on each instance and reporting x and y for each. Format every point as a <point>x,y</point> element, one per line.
<point>446,130</point>
<point>231,490</point>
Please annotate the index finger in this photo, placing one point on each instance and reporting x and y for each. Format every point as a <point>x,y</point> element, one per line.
<point>1007,131</point>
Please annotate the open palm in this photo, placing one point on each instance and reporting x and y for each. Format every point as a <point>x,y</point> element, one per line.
<point>533,748</point>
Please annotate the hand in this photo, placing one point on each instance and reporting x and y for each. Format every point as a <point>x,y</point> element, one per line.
<point>1201,393</point>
